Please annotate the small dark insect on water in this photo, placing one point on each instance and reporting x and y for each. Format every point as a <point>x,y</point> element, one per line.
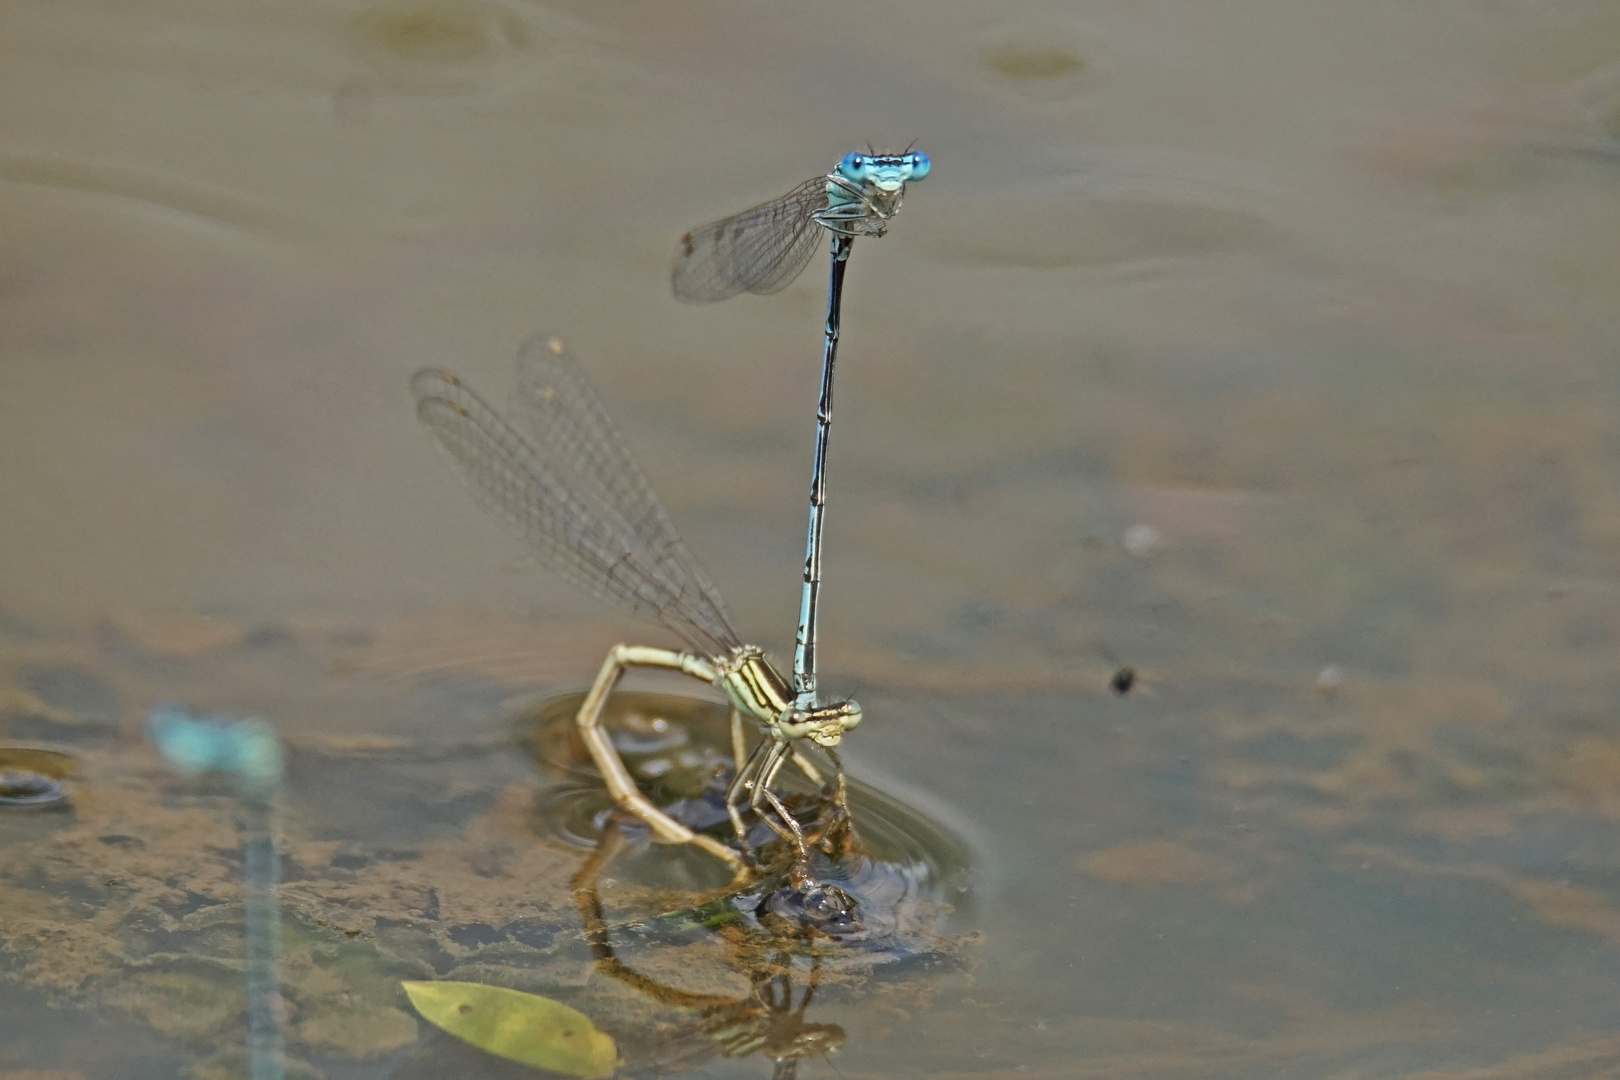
<point>1124,678</point>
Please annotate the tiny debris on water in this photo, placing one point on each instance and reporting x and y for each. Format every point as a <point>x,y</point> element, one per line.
<point>1142,540</point>
<point>1329,679</point>
<point>1123,679</point>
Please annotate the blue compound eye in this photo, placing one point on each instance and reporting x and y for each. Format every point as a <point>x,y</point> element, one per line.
<point>853,166</point>
<point>920,165</point>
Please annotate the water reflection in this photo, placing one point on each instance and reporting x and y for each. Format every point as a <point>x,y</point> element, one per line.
<point>410,860</point>
<point>248,752</point>
<point>32,779</point>
<point>113,186</point>
<point>445,46</point>
<point>1354,360</point>
<point>766,1021</point>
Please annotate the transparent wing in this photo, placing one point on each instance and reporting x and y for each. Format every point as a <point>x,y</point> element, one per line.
<point>570,489</point>
<point>760,250</point>
<point>559,411</point>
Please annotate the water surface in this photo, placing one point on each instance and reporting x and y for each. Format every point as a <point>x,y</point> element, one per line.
<point>1320,295</point>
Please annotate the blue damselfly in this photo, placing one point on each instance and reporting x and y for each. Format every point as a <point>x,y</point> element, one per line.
<point>762,250</point>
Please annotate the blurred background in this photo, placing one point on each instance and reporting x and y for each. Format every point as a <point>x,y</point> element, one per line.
<point>1267,348</point>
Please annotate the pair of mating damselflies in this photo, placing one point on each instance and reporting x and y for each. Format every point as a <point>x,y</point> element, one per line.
<point>556,471</point>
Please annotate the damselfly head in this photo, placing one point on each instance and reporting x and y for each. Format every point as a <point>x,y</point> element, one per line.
<point>884,172</point>
<point>825,725</point>
<point>847,714</point>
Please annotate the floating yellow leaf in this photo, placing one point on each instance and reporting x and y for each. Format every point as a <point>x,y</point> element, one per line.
<point>523,1027</point>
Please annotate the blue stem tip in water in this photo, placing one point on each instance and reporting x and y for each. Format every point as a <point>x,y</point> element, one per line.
<point>193,744</point>
<point>249,751</point>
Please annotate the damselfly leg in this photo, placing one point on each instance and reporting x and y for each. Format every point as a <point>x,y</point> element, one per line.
<point>617,779</point>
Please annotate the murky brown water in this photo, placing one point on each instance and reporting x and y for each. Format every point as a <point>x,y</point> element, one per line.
<point>1321,295</point>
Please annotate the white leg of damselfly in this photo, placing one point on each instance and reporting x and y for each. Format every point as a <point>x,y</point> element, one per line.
<point>739,742</point>
<point>762,793</point>
<point>743,780</point>
<point>621,786</point>
<point>747,778</point>
<point>808,767</point>
<point>747,765</point>
<point>794,833</point>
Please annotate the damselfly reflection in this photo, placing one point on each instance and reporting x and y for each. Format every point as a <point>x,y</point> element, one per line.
<point>767,1022</point>
<point>248,752</point>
